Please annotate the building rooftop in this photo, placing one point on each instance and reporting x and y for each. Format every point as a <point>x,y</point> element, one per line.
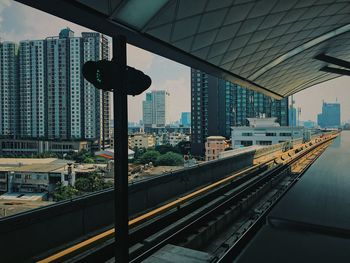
<point>216,138</point>
<point>25,161</point>
<point>263,122</point>
<point>41,168</point>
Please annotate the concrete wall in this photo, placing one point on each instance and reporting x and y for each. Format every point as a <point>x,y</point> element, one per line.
<point>37,231</point>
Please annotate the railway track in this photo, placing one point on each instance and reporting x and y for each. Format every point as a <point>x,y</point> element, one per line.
<point>179,219</point>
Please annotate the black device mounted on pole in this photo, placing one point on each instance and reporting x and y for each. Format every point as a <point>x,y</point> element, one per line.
<point>123,80</point>
<point>103,74</point>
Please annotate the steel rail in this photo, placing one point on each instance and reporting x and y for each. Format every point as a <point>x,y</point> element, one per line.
<point>100,238</point>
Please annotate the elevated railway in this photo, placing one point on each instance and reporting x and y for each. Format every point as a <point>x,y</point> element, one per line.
<point>182,220</point>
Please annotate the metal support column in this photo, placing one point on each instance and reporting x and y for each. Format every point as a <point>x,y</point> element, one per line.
<point>120,107</point>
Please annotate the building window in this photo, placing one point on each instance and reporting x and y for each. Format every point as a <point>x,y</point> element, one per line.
<point>246,143</point>
<point>264,142</point>
<point>285,134</point>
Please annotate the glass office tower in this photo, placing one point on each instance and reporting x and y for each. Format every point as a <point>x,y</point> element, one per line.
<point>217,105</point>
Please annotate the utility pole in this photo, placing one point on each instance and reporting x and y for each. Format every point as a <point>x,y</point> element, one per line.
<point>122,80</point>
<point>120,107</point>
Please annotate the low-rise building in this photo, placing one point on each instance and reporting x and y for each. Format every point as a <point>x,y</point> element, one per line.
<point>175,138</point>
<point>168,129</point>
<point>141,140</point>
<point>33,147</point>
<point>214,146</point>
<point>162,138</point>
<point>36,178</point>
<point>41,175</point>
<point>263,131</point>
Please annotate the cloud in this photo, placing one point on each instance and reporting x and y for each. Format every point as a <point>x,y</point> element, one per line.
<point>22,22</point>
<point>139,58</point>
<point>179,96</point>
<point>3,5</point>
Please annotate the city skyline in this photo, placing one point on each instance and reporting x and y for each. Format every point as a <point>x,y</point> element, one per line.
<point>18,22</point>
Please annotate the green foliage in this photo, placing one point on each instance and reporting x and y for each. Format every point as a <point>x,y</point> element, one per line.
<point>138,152</point>
<point>91,182</point>
<point>82,156</point>
<point>88,160</point>
<point>162,149</point>
<point>83,184</point>
<point>149,156</point>
<point>63,192</point>
<point>170,158</point>
<point>184,147</point>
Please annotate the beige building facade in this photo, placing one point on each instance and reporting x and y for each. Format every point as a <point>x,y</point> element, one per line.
<point>214,146</point>
<point>141,140</point>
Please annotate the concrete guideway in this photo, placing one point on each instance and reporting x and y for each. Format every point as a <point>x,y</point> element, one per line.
<point>313,217</point>
<point>281,157</point>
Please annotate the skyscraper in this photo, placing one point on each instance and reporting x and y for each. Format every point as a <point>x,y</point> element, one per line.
<point>57,66</point>
<point>217,105</point>
<point>96,102</point>
<point>292,115</point>
<point>155,108</point>
<point>76,83</point>
<point>9,95</point>
<point>55,102</point>
<point>330,116</point>
<point>32,88</point>
<point>185,118</point>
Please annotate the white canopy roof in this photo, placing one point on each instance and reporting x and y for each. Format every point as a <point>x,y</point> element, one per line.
<point>265,45</point>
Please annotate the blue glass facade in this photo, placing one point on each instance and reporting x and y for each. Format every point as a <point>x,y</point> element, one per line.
<point>185,119</point>
<point>217,105</point>
<point>330,116</point>
<point>292,116</point>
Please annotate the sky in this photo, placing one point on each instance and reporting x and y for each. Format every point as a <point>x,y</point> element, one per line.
<point>20,22</point>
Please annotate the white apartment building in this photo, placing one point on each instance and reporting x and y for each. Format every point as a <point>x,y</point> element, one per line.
<point>9,95</point>
<point>52,99</point>
<point>57,88</point>
<point>162,138</point>
<point>76,82</point>
<point>263,131</point>
<point>95,101</point>
<point>32,88</point>
<point>155,108</point>
<point>175,138</point>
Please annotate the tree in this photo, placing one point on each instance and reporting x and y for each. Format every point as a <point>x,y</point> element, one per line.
<point>80,156</point>
<point>91,182</point>
<point>170,158</point>
<point>184,147</point>
<point>88,160</point>
<point>149,156</point>
<point>63,192</point>
<point>162,149</point>
<point>83,184</point>
<point>138,152</point>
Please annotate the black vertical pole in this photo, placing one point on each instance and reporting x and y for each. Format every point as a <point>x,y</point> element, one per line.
<point>121,152</point>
